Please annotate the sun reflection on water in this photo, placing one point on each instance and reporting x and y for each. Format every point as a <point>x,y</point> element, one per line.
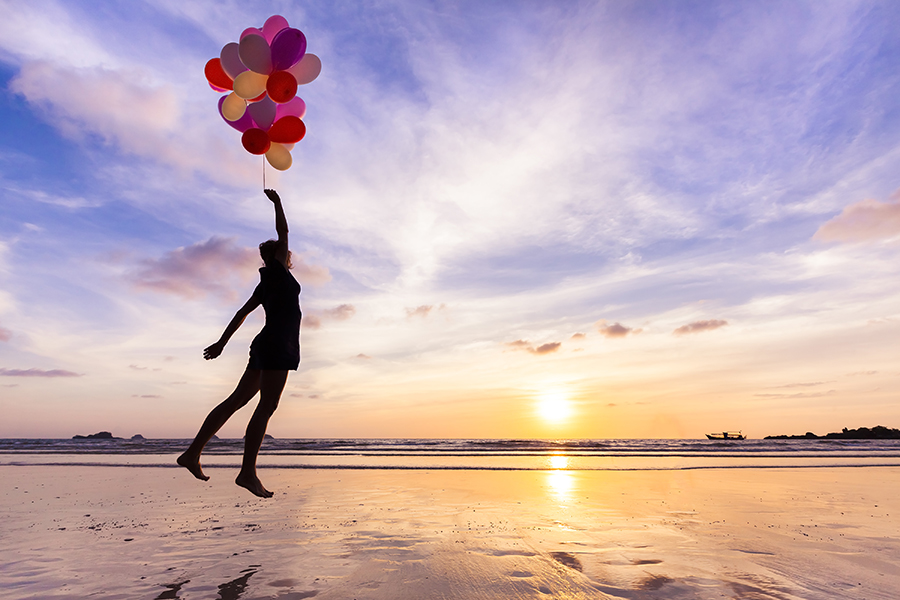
<point>559,480</point>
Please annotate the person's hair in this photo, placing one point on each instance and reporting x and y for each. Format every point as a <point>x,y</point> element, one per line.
<point>267,252</point>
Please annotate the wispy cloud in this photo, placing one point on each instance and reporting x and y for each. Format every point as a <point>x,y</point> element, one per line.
<point>423,310</point>
<point>37,373</point>
<point>122,106</point>
<point>700,326</point>
<point>341,312</point>
<point>547,348</point>
<point>863,221</point>
<point>5,334</point>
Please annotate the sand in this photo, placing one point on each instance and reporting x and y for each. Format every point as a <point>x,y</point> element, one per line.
<point>155,533</point>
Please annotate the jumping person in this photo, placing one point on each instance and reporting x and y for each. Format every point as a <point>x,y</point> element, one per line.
<point>274,352</point>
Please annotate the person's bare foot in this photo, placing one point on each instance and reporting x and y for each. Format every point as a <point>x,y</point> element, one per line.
<point>192,464</point>
<point>252,483</point>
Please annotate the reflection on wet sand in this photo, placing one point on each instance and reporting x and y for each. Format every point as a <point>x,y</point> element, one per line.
<point>811,534</point>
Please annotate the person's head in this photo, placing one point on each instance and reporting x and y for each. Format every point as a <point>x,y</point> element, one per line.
<point>267,251</point>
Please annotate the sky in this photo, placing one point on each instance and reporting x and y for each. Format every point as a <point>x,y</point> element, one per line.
<point>510,219</point>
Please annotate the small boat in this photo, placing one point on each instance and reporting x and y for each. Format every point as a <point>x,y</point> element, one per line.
<point>726,435</point>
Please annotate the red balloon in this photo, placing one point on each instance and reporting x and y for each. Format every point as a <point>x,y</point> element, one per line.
<point>257,99</point>
<point>281,86</point>
<point>216,75</point>
<point>287,130</point>
<point>256,141</point>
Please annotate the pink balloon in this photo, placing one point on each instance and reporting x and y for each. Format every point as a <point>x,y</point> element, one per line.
<point>273,25</point>
<point>295,107</point>
<point>263,113</point>
<point>255,54</point>
<point>252,31</point>
<point>231,60</point>
<point>287,48</point>
<point>242,124</point>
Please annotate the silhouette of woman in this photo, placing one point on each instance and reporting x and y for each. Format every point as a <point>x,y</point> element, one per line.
<point>274,352</point>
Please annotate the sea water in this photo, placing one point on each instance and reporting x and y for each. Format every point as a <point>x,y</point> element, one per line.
<point>463,454</point>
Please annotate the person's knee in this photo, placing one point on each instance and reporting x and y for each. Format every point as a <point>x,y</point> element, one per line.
<point>268,405</point>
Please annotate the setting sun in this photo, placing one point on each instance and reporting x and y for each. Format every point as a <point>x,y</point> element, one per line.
<point>554,407</point>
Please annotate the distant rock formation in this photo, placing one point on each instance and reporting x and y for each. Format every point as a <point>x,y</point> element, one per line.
<point>137,438</point>
<point>863,433</point>
<point>102,435</point>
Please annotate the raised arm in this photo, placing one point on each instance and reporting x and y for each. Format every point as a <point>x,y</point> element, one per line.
<point>281,226</point>
<point>215,350</point>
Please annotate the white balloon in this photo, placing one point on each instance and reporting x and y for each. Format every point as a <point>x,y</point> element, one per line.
<point>307,69</point>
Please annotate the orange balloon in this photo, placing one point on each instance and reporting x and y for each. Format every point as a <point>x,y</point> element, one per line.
<point>287,130</point>
<point>281,86</point>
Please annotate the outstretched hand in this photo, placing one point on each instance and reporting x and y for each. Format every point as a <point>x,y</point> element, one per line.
<point>272,195</point>
<point>213,351</point>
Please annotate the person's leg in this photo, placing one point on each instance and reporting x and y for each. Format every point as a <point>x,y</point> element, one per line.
<point>242,394</point>
<point>271,384</point>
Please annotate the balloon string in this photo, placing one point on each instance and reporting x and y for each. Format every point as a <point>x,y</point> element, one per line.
<point>264,171</point>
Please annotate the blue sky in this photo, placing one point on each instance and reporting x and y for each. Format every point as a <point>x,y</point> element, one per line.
<point>660,218</point>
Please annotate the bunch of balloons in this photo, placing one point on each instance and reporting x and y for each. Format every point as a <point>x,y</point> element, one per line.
<point>262,73</point>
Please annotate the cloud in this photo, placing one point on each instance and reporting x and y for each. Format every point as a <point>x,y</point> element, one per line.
<point>341,312</point>
<point>37,373</point>
<point>700,326</point>
<point>307,274</point>
<point>121,106</point>
<point>616,330</point>
<point>578,336</point>
<point>423,310</point>
<point>798,395</point>
<point>863,221</point>
<point>204,268</point>
<point>796,385</point>
<point>310,321</point>
<point>363,356</point>
<point>547,348</point>
<point>313,319</point>
<point>5,334</point>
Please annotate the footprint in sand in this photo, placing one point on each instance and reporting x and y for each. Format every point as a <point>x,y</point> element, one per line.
<point>567,559</point>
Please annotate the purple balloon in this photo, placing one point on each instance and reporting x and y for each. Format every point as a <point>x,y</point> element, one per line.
<point>295,107</point>
<point>288,47</point>
<point>242,124</point>
<point>262,112</point>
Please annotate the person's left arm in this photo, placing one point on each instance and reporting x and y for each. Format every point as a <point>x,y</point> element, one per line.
<point>215,350</point>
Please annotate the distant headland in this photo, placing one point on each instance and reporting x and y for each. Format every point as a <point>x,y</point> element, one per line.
<point>863,433</point>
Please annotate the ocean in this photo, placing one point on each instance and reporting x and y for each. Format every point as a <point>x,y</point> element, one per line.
<point>466,454</point>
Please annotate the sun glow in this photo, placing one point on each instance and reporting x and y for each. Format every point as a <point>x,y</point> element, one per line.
<point>554,407</point>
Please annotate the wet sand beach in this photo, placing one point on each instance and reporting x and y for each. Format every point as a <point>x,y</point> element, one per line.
<point>150,532</point>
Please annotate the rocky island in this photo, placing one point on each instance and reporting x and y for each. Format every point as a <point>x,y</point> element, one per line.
<point>863,433</point>
<point>102,435</point>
